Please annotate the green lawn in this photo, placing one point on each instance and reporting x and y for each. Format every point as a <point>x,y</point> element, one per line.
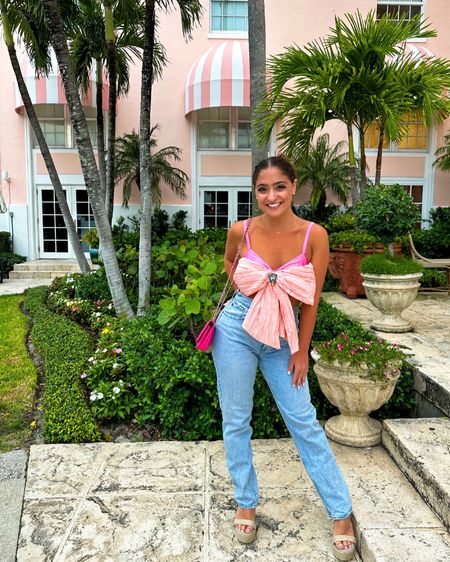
<point>18,376</point>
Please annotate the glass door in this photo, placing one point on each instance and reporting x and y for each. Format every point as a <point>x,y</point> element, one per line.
<point>53,241</point>
<point>222,206</point>
<point>53,238</point>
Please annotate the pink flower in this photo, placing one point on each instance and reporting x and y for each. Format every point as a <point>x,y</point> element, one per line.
<point>353,351</point>
<point>83,375</point>
<point>117,350</point>
<point>340,346</point>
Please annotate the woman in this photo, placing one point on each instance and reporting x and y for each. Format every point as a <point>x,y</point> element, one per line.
<point>258,328</point>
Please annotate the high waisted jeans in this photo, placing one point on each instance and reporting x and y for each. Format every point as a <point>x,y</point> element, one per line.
<point>236,357</point>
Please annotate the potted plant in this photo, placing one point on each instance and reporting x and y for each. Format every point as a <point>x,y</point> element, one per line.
<point>387,212</point>
<point>357,375</point>
<point>91,239</point>
<point>348,247</point>
<point>391,284</point>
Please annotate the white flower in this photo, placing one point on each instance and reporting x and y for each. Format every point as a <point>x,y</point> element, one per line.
<point>110,306</point>
<point>93,396</point>
<point>99,395</point>
<point>98,314</point>
<point>116,389</point>
<point>104,350</point>
<point>116,365</point>
<point>91,359</point>
<point>120,382</point>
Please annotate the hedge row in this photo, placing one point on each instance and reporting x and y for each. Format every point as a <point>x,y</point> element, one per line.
<point>65,348</point>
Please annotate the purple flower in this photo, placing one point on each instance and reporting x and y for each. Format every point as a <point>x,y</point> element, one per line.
<point>83,375</point>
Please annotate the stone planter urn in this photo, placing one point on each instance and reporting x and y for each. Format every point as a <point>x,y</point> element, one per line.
<point>391,294</point>
<point>347,388</point>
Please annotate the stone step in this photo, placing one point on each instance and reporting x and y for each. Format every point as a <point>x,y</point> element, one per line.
<point>393,522</point>
<point>421,448</point>
<point>182,492</point>
<point>36,274</point>
<point>68,267</point>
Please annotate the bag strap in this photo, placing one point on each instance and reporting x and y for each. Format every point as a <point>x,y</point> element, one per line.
<point>229,281</point>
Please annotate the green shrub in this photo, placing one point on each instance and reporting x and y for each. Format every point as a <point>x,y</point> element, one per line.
<point>64,348</point>
<point>386,211</point>
<point>307,212</point>
<point>435,242</point>
<point>8,260</point>
<point>385,264</point>
<point>93,286</point>
<point>356,240</point>
<point>162,379</point>
<point>341,222</point>
<point>5,242</point>
<point>433,278</point>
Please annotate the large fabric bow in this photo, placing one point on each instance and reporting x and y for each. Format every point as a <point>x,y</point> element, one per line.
<point>270,315</point>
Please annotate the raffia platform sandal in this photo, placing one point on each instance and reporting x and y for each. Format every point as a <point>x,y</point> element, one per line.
<point>344,554</point>
<point>242,536</point>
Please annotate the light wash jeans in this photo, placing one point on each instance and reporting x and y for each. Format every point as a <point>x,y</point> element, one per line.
<point>236,357</point>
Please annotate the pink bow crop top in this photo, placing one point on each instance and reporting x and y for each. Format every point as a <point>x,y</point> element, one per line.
<point>271,314</point>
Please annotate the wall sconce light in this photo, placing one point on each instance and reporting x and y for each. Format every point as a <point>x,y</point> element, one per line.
<point>5,176</point>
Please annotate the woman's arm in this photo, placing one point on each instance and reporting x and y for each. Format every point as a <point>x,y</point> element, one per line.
<point>234,238</point>
<point>320,256</point>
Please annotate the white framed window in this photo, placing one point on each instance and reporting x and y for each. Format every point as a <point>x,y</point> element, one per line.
<point>222,206</point>
<point>415,134</point>
<point>57,128</point>
<point>229,15</point>
<point>416,192</point>
<point>224,128</point>
<point>397,9</point>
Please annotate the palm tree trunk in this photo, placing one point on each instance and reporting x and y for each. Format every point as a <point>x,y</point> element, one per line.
<point>87,159</point>
<point>112,101</point>
<point>352,164</point>
<point>100,125</point>
<point>43,146</point>
<point>363,164</point>
<point>145,241</point>
<point>379,156</point>
<point>257,52</point>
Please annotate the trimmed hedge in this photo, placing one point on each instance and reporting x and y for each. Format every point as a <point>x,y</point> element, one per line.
<point>64,347</point>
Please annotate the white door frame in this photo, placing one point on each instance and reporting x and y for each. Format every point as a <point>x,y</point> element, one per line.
<point>232,201</point>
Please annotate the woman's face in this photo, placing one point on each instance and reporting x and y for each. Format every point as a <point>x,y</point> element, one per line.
<point>274,191</point>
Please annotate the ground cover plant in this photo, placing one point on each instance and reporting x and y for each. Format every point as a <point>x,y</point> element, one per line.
<point>18,376</point>
<point>64,348</point>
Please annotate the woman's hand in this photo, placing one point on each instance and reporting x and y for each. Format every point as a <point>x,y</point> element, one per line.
<point>298,368</point>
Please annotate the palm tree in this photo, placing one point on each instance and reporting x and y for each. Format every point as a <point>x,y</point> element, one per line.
<point>443,155</point>
<point>87,158</point>
<point>128,167</point>
<point>18,17</point>
<point>340,77</point>
<point>257,52</point>
<point>421,87</point>
<point>324,167</point>
<point>190,11</point>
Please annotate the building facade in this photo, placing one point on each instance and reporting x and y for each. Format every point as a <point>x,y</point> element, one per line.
<point>201,104</point>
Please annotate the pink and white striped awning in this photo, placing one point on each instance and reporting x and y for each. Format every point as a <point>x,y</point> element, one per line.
<point>49,89</point>
<point>417,53</point>
<point>220,77</point>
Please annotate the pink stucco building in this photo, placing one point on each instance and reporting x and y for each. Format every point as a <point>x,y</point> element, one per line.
<point>201,104</point>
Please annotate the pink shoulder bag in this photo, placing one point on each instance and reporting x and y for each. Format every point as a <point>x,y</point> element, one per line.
<point>205,338</point>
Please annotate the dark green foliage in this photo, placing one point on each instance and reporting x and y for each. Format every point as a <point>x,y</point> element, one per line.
<point>307,212</point>
<point>7,261</point>
<point>385,264</point>
<point>5,242</point>
<point>386,211</point>
<point>341,222</point>
<point>356,240</point>
<point>93,286</point>
<point>160,224</point>
<point>178,221</point>
<point>435,242</point>
<point>125,234</point>
<point>433,278</point>
<point>64,348</point>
